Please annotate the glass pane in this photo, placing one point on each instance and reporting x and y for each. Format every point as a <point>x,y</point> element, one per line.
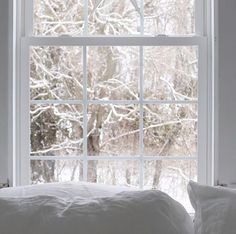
<point>56,130</point>
<point>170,130</point>
<point>171,17</point>
<point>57,17</point>
<point>171,73</point>
<point>123,173</point>
<point>46,171</point>
<point>171,177</point>
<point>56,73</point>
<point>113,130</point>
<point>113,73</point>
<point>113,17</point>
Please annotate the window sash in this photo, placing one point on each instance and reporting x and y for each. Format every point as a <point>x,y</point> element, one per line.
<point>27,40</point>
<point>27,10</point>
<point>25,157</point>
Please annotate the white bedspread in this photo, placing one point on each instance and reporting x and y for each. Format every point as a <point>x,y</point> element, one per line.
<point>130,212</point>
<point>64,190</point>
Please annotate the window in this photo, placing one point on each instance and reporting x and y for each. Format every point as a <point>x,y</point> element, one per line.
<point>114,92</point>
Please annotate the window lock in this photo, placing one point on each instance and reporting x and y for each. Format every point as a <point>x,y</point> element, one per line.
<point>161,35</point>
<point>4,184</point>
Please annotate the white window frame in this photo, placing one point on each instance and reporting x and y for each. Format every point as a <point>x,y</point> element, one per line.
<point>21,128</point>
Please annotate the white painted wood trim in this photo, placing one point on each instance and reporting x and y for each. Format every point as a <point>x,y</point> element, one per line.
<point>113,41</point>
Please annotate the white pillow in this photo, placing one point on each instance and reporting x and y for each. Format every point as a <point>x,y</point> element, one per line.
<point>215,209</point>
<point>137,212</point>
<point>64,190</point>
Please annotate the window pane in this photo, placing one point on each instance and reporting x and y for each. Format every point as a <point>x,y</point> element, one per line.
<point>113,73</point>
<point>170,130</point>
<point>56,130</point>
<point>46,171</point>
<point>57,17</point>
<point>171,73</point>
<point>114,17</point>
<point>56,73</point>
<point>123,173</point>
<point>113,130</point>
<point>171,17</point>
<point>171,177</point>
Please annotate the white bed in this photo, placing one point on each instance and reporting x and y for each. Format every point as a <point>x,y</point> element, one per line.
<point>83,208</point>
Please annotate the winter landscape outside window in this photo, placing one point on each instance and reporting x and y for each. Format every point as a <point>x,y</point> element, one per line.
<point>113,92</point>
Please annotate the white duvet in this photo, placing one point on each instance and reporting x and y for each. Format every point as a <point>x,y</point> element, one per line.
<point>130,212</point>
<point>64,190</point>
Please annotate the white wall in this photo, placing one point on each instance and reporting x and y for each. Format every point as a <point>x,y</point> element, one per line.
<point>3,87</point>
<point>227,91</point>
